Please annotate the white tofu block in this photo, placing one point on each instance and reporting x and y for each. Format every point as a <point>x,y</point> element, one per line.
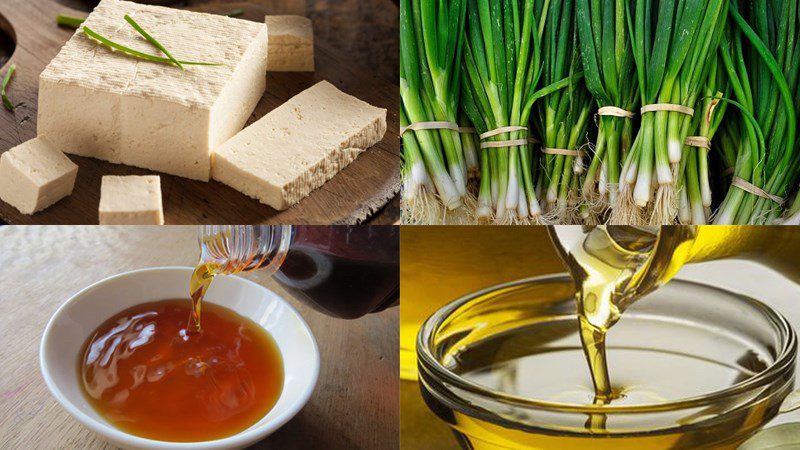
<point>103,104</point>
<point>291,44</point>
<point>298,146</point>
<point>131,200</point>
<point>34,175</point>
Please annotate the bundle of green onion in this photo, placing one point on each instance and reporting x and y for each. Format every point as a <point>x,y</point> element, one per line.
<point>517,90</point>
<point>762,57</point>
<point>694,179</point>
<point>501,66</point>
<point>562,118</point>
<point>609,72</point>
<point>673,42</point>
<point>431,36</point>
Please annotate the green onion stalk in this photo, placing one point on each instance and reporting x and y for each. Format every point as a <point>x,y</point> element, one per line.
<point>762,56</point>
<point>431,41</point>
<point>3,89</point>
<point>793,213</point>
<point>694,179</point>
<point>744,147</point>
<point>470,146</point>
<point>563,117</point>
<point>502,60</point>
<point>610,76</point>
<point>727,144</point>
<point>419,206</point>
<point>487,190</point>
<point>674,42</point>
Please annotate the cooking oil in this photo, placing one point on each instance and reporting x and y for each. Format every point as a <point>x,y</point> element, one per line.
<point>694,368</point>
<point>543,358</point>
<point>440,264</point>
<point>611,268</point>
<point>614,266</point>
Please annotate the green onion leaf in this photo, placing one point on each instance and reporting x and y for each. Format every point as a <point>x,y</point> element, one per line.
<point>9,106</point>
<point>152,40</point>
<point>69,21</point>
<point>234,12</point>
<point>137,54</point>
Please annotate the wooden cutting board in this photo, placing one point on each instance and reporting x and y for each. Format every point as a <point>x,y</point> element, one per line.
<point>350,197</point>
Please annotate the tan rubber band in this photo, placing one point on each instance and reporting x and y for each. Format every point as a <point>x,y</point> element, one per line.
<point>667,107</point>
<point>533,140</point>
<point>563,152</point>
<point>466,130</point>
<point>729,171</point>
<point>698,141</point>
<point>429,126</point>
<point>502,130</point>
<point>757,191</point>
<point>503,144</point>
<point>616,112</point>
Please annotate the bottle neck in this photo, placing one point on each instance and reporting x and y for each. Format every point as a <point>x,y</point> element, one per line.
<point>228,249</point>
<point>773,246</point>
<point>678,246</point>
<point>713,242</point>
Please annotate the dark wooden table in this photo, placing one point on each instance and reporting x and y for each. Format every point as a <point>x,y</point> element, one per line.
<point>354,406</point>
<point>366,31</point>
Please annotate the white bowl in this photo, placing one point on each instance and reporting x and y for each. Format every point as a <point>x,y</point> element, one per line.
<point>76,319</point>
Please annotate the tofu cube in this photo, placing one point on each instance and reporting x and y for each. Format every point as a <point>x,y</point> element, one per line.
<point>291,44</point>
<point>104,104</point>
<point>299,146</point>
<point>131,200</point>
<point>34,175</point>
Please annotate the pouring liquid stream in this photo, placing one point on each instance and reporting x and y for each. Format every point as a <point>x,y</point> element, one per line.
<point>201,280</point>
<point>612,268</point>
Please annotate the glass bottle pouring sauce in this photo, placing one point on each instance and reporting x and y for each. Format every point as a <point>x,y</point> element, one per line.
<point>342,271</point>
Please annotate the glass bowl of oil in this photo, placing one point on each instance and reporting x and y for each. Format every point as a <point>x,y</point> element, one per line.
<point>694,367</point>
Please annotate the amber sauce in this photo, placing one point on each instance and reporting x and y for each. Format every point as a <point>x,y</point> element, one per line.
<point>201,280</point>
<point>145,372</point>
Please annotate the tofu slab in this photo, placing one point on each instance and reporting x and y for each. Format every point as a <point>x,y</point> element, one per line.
<point>100,103</point>
<point>291,44</point>
<point>298,146</point>
<point>34,175</point>
<point>131,200</point>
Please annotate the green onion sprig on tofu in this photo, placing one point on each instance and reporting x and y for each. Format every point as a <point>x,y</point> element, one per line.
<point>137,54</point>
<point>69,21</point>
<point>234,12</point>
<point>152,40</point>
<point>6,101</point>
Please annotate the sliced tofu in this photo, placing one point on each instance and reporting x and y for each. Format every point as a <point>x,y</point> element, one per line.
<point>131,200</point>
<point>103,104</point>
<point>291,44</point>
<point>34,175</point>
<point>298,146</point>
